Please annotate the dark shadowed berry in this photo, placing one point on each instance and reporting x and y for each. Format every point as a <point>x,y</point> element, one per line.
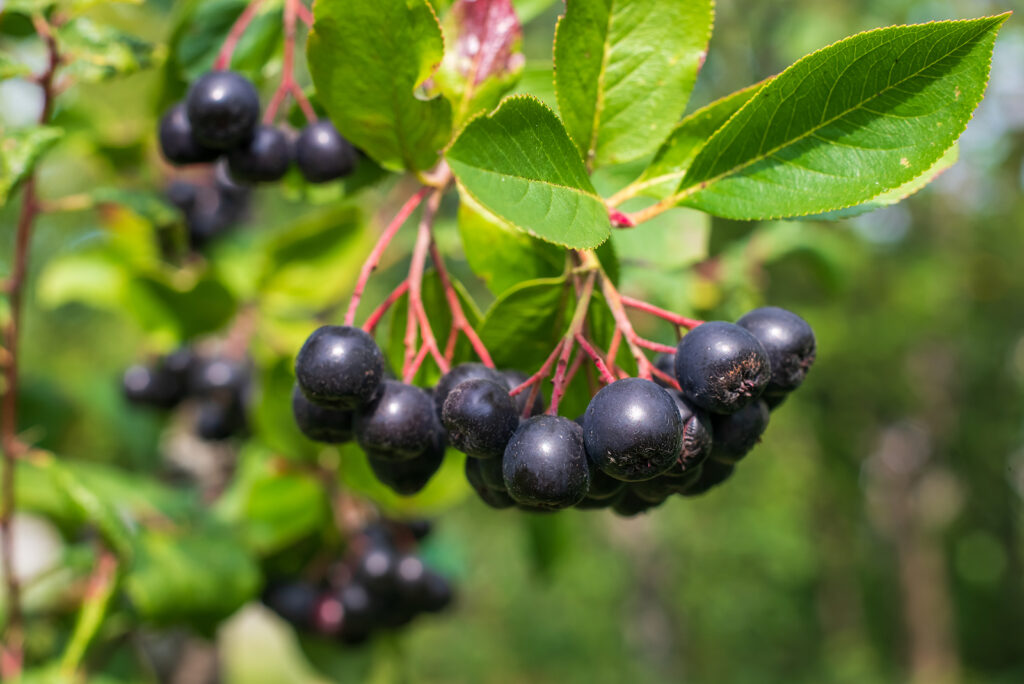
<point>295,602</point>
<point>339,366</point>
<point>545,464</point>
<point>773,400</point>
<point>514,379</point>
<point>494,498</point>
<point>738,433</point>
<point>697,433</point>
<point>219,419</point>
<point>789,342</point>
<point>589,504</point>
<point>721,367</point>
<point>177,142</point>
<point>217,376</point>
<point>460,374</point>
<point>358,612</point>
<point>263,159</point>
<point>436,594</point>
<point>654,491</point>
<point>376,569</point>
<point>399,423</point>
<point>409,477</point>
<point>493,474</point>
<point>480,418</point>
<point>713,473</point>
<point>322,154</point>
<point>321,423</point>
<point>223,108</point>
<point>419,528</point>
<point>602,485</point>
<point>666,363</point>
<point>627,504</point>
<point>157,387</point>
<point>633,430</point>
<point>182,195</point>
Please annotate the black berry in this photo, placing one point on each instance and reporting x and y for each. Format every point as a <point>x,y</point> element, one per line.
<point>514,379</point>
<point>295,602</point>
<point>721,367</point>
<point>322,154</point>
<point>602,485</point>
<point>480,418</point>
<point>697,433</point>
<point>409,477</point>
<point>398,424</point>
<point>263,159</point>
<point>339,366</point>
<point>666,363</point>
<point>177,142</point>
<point>460,374</point>
<point>633,430</point>
<point>217,376</point>
<point>223,108</point>
<point>321,423</point>
<point>789,342</point>
<point>627,504</point>
<point>545,465</point>
<point>738,433</point>
<point>219,419</point>
<point>155,387</point>
<point>713,473</point>
<point>492,473</point>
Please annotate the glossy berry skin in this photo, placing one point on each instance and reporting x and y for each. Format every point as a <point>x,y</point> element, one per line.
<point>545,465</point>
<point>789,342</point>
<point>177,143</point>
<point>495,498</point>
<point>398,424</point>
<point>493,474</point>
<point>738,433</point>
<point>322,154</point>
<point>321,423</point>
<point>376,569</point>
<point>223,108</point>
<point>514,379</point>
<point>480,418</point>
<point>339,366</point>
<point>602,485</point>
<point>263,159</point>
<point>713,473</point>
<point>697,433</point>
<point>156,387</point>
<point>632,430</point>
<point>409,477</point>
<point>721,367</point>
<point>460,374</point>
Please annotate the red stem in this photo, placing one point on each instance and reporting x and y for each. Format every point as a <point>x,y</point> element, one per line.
<point>235,35</point>
<point>459,319</point>
<point>575,330</point>
<point>655,346</point>
<point>304,14</point>
<point>615,305</point>
<point>417,312</point>
<point>577,361</point>
<point>641,305</point>
<point>540,374</point>
<point>665,377</point>
<point>371,323</point>
<point>288,83</point>
<point>620,220</point>
<point>372,261</point>
<point>602,368</point>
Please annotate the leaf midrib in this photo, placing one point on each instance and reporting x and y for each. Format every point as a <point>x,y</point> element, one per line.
<point>689,190</point>
<point>599,104</point>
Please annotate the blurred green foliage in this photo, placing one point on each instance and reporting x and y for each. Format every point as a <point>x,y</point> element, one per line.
<point>877,534</point>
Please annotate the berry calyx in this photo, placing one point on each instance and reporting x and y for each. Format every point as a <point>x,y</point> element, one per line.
<point>633,430</point>
<point>263,159</point>
<point>545,465</point>
<point>223,108</point>
<point>697,433</point>
<point>480,418</point>
<point>398,424</point>
<point>789,342</point>
<point>721,367</point>
<point>339,366</point>
<point>322,154</point>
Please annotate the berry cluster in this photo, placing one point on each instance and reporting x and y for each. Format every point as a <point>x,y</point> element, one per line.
<point>380,584</point>
<point>220,118</point>
<point>218,386</point>
<point>210,210</point>
<point>636,444</point>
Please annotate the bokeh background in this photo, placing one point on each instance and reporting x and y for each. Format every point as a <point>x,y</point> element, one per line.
<point>876,534</point>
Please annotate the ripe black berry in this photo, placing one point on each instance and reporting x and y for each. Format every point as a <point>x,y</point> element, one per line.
<point>713,473</point>
<point>721,367</point>
<point>409,477</point>
<point>495,498</point>
<point>155,387</point>
<point>460,374</point>
<point>217,376</point>
<point>339,366</point>
<point>633,430</point>
<point>514,379</point>
<point>177,142</point>
<point>602,485</point>
<point>263,159</point>
<point>545,464</point>
<point>654,491</point>
<point>223,108</point>
<point>789,342</point>
<point>295,602</point>
<point>398,424</point>
<point>322,154</point>
<point>321,423</point>
<point>480,418</point>
<point>219,419</point>
<point>358,612</point>
<point>697,433</point>
<point>627,504</point>
<point>738,433</point>
<point>492,473</point>
<point>436,593</point>
<point>666,363</point>
<point>376,569</point>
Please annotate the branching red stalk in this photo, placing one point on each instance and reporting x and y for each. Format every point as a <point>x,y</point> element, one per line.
<point>579,318</point>
<point>235,35</point>
<point>288,85</point>
<point>602,368</point>
<point>372,261</point>
<point>12,648</point>
<point>676,319</point>
<point>655,346</point>
<point>417,312</point>
<point>304,14</point>
<point>577,362</point>
<point>374,319</point>
<point>664,377</point>
<point>542,373</point>
<point>459,320</point>
<point>614,300</point>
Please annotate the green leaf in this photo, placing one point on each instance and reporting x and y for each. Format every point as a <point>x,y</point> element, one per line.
<point>367,59</point>
<point>10,68</point>
<point>624,70</point>
<point>529,9</point>
<point>19,151</point>
<point>503,256</point>
<point>497,160</point>
<point>846,123</point>
<point>897,194</point>
<point>147,204</point>
<point>662,177</point>
<point>522,326</point>
<point>98,52</point>
<point>483,56</point>
<point>203,308</point>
